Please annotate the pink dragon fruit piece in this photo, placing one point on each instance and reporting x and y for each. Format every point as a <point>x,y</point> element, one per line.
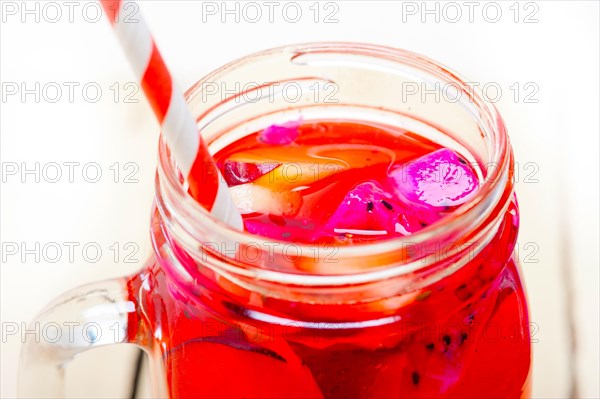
<point>280,134</point>
<point>366,210</point>
<point>236,173</point>
<point>438,179</point>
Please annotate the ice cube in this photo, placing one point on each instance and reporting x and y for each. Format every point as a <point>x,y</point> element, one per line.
<point>438,179</point>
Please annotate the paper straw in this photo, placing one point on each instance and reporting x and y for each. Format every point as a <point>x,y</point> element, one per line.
<point>168,103</point>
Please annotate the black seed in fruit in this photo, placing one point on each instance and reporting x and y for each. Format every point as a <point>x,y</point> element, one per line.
<point>387,205</point>
<point>462,161</point>
<point>415,377</point>
<point>462,292</point>
<point>423,224</point>
<point>447,340</point>
<point>430,346</point>
<point>463,337</point>
<point>370,206</point>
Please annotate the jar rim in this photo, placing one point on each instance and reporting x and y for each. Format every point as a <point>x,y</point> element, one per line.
<point>185,216</point>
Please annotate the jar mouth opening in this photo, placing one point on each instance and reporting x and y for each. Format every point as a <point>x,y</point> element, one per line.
<point>185,217</point>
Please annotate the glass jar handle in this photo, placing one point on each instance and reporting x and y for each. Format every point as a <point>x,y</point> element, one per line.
<point>84,318</point>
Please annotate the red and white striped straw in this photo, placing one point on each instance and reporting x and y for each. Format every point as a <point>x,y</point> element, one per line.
<point>177,122</point>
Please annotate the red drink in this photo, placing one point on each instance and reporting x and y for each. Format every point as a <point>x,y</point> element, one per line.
<point>377,257</point>
<point>334,184</point>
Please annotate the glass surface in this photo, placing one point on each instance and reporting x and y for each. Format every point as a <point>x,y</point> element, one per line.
<point>437,313</point>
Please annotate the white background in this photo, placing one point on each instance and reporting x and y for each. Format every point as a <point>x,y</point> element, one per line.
<point>559,132</point>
